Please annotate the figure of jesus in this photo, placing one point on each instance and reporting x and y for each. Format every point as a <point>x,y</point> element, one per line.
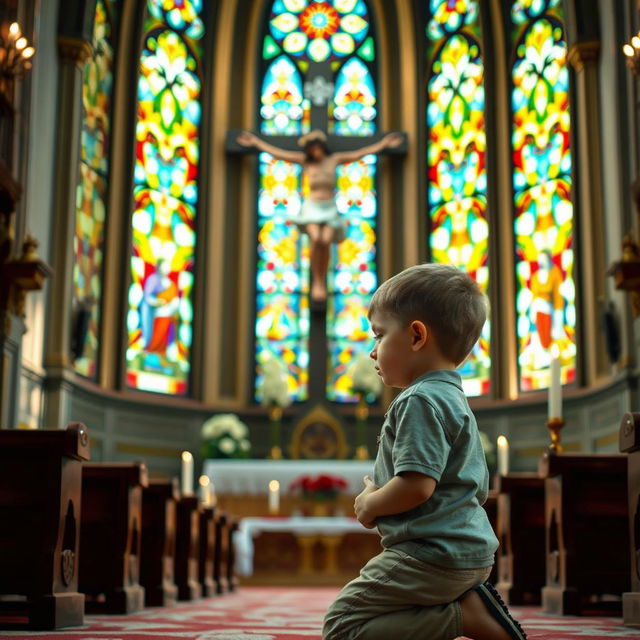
<point>319,217</point>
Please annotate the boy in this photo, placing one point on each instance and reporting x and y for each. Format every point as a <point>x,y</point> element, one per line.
<point>430,477</point>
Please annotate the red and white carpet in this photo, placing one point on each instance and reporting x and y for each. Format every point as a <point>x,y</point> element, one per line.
<point>284,613</point>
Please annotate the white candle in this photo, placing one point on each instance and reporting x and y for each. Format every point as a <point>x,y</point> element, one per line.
<point>503,456</point>
<point>187,473</point>
<point>274,497</point>
<point>555,388</point>
<point>205,493</point>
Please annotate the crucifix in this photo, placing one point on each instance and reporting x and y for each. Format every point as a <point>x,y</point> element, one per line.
<point>320,156</point>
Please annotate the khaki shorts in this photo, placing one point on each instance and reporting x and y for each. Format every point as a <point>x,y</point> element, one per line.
<point>398,596</point>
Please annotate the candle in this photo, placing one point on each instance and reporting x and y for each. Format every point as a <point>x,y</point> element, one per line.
<point>555,388</point>
<point>274,497</point>
<point>187,473</point>
<point>503,456</point>
<point>205,494</point>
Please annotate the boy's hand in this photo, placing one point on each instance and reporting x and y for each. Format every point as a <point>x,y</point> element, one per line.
<point>365,516</point>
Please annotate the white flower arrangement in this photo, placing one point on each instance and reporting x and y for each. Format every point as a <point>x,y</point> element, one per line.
<point>225,436</point>
<point>273,387</point>
<point>365,377</point>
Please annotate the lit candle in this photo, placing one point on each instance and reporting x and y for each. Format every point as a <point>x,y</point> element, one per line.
<point>187,473</point>
<point>205,493</point>
<point>274,497</point>
<point>503,456</point>
<point>555,388</point>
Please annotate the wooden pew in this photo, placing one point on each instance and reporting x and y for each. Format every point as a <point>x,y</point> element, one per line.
<point>110,535</point>
<point>630,444</point>
<point>520,529</point>
<point>221,555</point>
<point>232,578</point>
<point>185,566</point>
<point>586,523</point>
<point>206,555</point>
<point>158,546</point>
<point>40,489</point>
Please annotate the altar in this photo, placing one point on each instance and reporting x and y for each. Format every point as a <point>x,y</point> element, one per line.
<point>242,486</point>
<point>303,551</point>
<point>252,477</point>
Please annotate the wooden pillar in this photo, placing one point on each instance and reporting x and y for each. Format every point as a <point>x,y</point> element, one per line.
<point>40,487</point>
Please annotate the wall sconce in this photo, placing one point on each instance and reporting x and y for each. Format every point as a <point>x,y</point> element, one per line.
<point>632,52</point>
<point>15,53</point>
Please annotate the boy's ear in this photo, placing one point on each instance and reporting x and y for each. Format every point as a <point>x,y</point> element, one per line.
<point>419,334</point>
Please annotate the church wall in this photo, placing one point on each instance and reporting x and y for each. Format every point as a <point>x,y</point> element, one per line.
<point>37,157</point>
<point>157,429</point>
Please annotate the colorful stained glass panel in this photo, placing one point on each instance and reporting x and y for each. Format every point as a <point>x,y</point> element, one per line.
<point>543,225</point>
<point>315,31</point>
<point>165,194</point>
<point>457,179</point>
<point>91,195</point>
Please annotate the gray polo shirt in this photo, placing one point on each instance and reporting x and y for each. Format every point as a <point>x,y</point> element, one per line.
<point>429,428</point>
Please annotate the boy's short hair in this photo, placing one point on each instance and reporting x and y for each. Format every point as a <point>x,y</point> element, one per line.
<point>445,298</point>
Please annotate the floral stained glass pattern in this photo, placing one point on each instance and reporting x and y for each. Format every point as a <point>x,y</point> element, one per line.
<point>317,31</point>
<point>457,180</point>
<point>165,195</point>
<point>301,34</point>
<point>353,277</point>
<point>545,300</point>
<point>91,192</point>
<point>282,322</point>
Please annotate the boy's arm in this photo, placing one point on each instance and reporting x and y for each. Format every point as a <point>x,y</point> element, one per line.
<point>402,493</point>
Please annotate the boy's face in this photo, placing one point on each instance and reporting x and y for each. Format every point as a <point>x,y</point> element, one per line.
<point>392,353</point>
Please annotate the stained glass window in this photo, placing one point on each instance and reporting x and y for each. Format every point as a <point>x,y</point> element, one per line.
<point>456,146</point>
<point>301,35</point>
<point>353,278</point>
<point>91,192</point>
<point>165,198</point>
<point>543,224</point>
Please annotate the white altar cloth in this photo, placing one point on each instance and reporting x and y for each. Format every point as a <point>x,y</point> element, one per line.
<point>253,476</point>
<point>251,527</point>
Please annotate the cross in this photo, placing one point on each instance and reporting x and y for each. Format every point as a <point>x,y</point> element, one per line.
<point>318,89</point>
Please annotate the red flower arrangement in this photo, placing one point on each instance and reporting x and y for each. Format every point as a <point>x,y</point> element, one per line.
<point>323,487</point>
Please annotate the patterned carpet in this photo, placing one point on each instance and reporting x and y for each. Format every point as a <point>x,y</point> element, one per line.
<point>278,613</point>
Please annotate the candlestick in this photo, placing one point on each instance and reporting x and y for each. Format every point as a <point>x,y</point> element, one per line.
<point>555,386</point>
<point>187,473</point>
<point>205,493</point>
<point>503,456</point>
<point>213,498</point>
<point>274,497</point>
<point>555,425</point>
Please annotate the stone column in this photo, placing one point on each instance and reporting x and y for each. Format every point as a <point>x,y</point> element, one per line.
<point>583,57</point>
<point>74,52</point>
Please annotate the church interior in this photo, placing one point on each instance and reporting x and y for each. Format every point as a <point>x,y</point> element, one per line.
<point>187,402</point>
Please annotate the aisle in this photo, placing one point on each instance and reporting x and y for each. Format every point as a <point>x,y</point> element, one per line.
<point>282,613</point>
